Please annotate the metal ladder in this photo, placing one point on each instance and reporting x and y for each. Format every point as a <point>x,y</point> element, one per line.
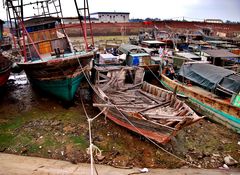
<point>15,12</point>
<point>85,22</point>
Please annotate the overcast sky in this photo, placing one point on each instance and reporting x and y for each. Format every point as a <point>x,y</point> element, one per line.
<point>163,9</point>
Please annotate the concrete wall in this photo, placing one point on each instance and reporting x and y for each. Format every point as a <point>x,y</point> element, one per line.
<point>178,26</point>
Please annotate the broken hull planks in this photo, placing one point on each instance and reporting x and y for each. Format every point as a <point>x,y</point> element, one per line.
<point>59,77</point>
<point>136,121</point>
<point>146,128</point>
<point>215,109</point>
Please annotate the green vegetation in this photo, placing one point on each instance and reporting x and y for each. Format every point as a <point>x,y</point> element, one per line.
<point>80,141</point>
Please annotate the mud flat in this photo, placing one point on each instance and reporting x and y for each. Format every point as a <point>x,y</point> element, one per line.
<point>33,123</point>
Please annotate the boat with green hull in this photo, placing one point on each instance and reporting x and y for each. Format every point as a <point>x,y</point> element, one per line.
<point>49,59</point>
<point>224,111</point>
<point>64,89</point>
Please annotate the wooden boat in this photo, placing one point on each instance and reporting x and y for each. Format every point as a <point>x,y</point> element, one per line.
<point>139,106</point>
<point>226,112</point>
<point>5,69</point>
<point>140,56</point>
<point>50,61</point>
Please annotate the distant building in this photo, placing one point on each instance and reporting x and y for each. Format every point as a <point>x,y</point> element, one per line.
<point>75,20</point>
<point>214,21</point>
<point>70,20</point>
<point>112,17</point>
<point>1,29</point>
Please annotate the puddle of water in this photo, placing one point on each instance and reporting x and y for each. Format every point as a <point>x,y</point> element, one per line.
<point>19,79</point>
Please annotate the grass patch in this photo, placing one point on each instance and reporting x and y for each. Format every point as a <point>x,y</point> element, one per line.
<point>5,140</point>
<point>11,125</point>
<point>80,141</point>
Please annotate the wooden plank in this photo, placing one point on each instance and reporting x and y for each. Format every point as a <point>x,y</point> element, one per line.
<point>156,106</point>
<point>120,106</point>
<point>132,87</point>
<point>149,96</point>
<point>177,118</point>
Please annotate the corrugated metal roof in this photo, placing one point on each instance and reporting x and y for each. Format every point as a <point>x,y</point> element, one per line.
<point>40,21</point>
<point>129,48</point>
<point>220,53</point>
<point>101,13</point>
<point>153,42</point>
<point>187,55</point>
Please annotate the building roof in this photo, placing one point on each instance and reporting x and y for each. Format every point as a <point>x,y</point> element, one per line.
<point>40,21</point>
<point>214,20</point>
<point>117,13</point>
<point>153,42</point>
<point>128,49</point>
<point>187,55</point>
<point>220,53</point>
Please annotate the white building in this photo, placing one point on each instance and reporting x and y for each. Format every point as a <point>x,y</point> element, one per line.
<point>112,17</point>
<point>214,21</point>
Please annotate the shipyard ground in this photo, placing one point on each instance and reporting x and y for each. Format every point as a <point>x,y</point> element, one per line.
<point>22,165</point>
<point>33,123</point>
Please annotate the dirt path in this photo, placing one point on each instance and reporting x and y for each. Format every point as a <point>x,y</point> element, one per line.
<point>22,165</point>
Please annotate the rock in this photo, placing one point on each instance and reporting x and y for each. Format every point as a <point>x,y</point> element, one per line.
<point>144,170</point>
<point>212,161</point>
<point>24,150</point>
<point>230,161</point>
<point>216,155</point>
<point>189,158</point>
<point>100,157</point>
<point>69,129</point>
<point>62,153</point>
<point>55,123</point>
<point>224,167</point>
<point>49,151</point>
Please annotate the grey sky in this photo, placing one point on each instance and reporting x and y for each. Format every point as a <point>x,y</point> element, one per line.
<point>163,9</point>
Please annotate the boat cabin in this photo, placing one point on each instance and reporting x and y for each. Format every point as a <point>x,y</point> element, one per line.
<point>181,57</point>
<point>223,58</point>
<point>153,44</point>
<point>47,36</point>
<point>135,55</point>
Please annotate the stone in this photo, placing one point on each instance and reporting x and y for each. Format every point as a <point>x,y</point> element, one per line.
<point>230,161</point>
<point>100,157</point>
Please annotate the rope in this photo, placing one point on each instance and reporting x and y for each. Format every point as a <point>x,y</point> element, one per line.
<point>164,150</point>
<point>92,148</point>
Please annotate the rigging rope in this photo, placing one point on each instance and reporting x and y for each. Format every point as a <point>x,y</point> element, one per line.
<point>164,150</point>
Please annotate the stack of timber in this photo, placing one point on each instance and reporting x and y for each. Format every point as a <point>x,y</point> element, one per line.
<point>139,106</point>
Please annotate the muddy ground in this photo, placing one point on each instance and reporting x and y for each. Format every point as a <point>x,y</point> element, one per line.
<point>36,124</point>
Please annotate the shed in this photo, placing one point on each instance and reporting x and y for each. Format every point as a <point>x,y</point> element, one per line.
<point>222,57</point>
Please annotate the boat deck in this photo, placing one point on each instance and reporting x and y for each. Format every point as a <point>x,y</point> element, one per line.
<point>206,93</point>
<point>47,56</point>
